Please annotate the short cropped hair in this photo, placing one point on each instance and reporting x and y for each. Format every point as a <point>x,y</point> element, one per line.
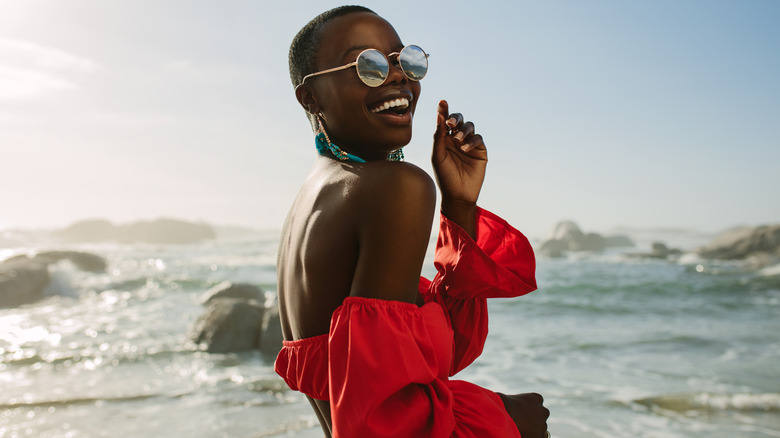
<point>304,47</point>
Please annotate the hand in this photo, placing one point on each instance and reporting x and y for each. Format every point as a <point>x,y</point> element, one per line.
<point>459,158</point>
<point>528,412</point>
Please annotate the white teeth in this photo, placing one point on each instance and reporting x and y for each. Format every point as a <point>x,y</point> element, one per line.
<point>401,102</point>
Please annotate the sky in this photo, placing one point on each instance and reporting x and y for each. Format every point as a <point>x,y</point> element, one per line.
<point>609,113</point>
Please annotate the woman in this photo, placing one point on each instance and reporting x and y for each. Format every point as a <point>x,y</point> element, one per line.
<point>369,342</point>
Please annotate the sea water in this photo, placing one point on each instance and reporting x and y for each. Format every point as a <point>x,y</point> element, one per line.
<point>618,346</point>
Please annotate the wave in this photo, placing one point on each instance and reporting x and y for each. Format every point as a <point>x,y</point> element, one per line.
<point>73,401</point>
<point>30,356</point>
<point>705,401</point>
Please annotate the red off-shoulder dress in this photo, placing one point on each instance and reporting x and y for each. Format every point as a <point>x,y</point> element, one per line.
<point>385,365</point>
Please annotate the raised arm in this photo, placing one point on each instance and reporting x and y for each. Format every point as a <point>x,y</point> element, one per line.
<point>459,161</point>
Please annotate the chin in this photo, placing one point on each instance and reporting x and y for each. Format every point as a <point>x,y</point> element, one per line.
<point>399,139</point>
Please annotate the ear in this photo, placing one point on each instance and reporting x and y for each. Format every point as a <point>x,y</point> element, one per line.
<point>307,99</point>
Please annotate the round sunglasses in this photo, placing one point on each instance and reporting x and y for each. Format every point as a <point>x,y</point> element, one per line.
<point>373,67</point>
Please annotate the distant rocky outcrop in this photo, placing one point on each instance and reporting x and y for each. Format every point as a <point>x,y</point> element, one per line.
<point>92,230</point>
<point>567,236</point>
<point>160,231</point>
<point>235,319</point>
<point>23,279</point>
<point>744,242</point>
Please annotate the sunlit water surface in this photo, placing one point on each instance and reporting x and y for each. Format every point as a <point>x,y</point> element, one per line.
<point>619,347</point>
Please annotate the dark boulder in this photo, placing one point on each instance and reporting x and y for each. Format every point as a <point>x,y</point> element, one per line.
<point>22,281</point>
<point>235,319</point>
<point>228,325</point>
<point>661,251</point>
<point>227,289</point>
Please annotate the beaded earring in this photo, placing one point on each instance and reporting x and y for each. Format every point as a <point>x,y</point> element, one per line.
<point>324,144</point>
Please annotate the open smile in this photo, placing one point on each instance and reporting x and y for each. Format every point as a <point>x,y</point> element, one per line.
<point>396,110</point>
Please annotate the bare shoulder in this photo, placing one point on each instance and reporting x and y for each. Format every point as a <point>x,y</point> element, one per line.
<point>395,181</point>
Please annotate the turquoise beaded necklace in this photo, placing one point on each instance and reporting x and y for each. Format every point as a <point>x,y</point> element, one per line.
<point>323,144</point>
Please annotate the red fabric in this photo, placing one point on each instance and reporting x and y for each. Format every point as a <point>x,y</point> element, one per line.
<point>385,365</point>
<point>500,264</point>
<point>304,365</point>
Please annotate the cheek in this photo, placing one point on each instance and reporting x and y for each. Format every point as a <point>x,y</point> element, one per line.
<point>348,113</point>
<point>346,116</point>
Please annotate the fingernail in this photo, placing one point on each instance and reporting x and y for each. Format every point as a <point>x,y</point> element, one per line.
<point>465,147</point>
<point>459,136</point>
<point>451,122</point>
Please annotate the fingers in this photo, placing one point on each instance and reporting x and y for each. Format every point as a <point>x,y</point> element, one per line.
<point>454,121</point>
<point>463,132</point>
<point>465,138</point>
<point>441,116</point>
<point>444,108</point>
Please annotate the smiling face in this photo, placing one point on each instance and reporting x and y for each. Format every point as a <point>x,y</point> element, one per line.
<point>365,121</point>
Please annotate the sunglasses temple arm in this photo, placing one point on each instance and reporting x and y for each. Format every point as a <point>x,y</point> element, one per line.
<point>330,70</point>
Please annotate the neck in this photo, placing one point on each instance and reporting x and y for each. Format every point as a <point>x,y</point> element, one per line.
<point>326,147</point>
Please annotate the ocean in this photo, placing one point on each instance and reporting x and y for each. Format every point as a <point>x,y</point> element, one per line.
<point>618,346</point>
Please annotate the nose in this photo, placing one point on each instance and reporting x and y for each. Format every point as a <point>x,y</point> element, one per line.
<point>395,74</point>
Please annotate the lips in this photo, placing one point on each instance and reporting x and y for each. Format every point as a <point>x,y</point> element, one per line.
<point>394,108</point>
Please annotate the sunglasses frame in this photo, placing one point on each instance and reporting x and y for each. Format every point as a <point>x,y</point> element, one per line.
<point>354,64</point>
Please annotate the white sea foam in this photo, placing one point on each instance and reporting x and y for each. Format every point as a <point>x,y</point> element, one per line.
<point>770,271</point>
<point>769,402</point>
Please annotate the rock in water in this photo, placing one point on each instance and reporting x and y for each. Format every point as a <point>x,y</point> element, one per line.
<point>553,248</point>
<point>22,281</point>
<point>236,319</point>
<point>227,289</point>
<point>619,241</point>
<point>567,236</point>
<point>572,238</point>
<point>271,337</point>
<point>567,231</point>
<point>229,324</point>
<point>741,243</point>
<point>83,260</point>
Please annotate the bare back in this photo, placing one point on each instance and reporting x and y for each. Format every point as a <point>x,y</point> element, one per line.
<point>326,248</point>
<point>318,251</point>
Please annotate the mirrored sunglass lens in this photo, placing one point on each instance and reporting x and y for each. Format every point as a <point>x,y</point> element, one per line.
<point>372,67</point>
<point>413,62</point>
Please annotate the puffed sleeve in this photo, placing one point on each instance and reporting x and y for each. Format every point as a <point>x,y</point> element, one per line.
<point>388,376</point>
<point>500,264</point>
